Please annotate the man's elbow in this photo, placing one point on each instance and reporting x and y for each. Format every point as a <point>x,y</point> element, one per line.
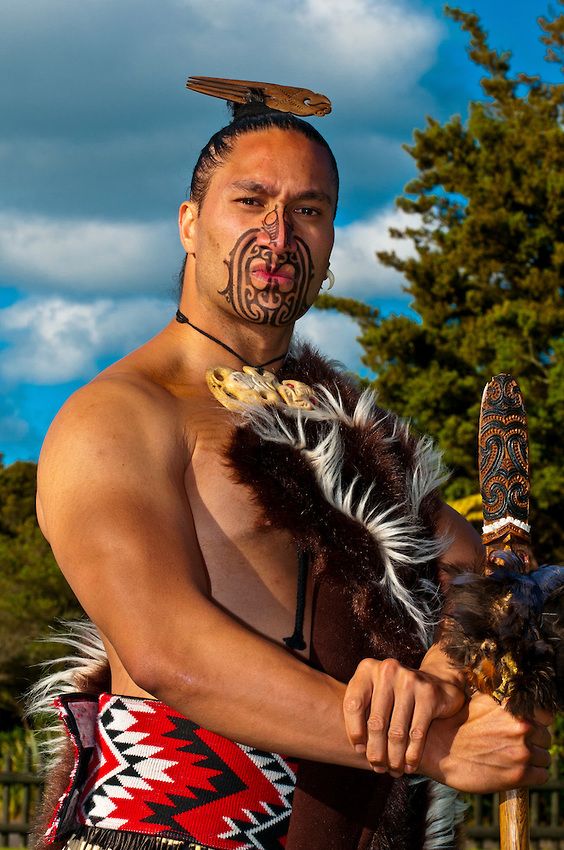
<point>143,670</point>
<point>162,676</point>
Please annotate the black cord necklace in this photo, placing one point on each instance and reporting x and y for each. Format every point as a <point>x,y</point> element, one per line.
<point>184,320</point>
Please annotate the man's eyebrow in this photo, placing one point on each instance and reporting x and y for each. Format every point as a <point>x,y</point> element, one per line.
<point>254,186</point>
<point>265,189</point>
<point>315,195</point>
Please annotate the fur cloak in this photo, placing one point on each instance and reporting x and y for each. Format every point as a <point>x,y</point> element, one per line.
<point>357,491</point>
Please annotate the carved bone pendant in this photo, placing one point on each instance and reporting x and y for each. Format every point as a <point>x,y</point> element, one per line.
<point>251,386</point>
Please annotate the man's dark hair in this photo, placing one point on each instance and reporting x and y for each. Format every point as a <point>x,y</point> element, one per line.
<point>247,118</point>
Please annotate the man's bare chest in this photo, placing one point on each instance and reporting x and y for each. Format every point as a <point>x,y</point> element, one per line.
<point>252,567</point>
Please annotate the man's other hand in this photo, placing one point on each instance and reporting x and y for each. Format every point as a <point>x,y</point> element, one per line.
<point>388,709</point>
<point>484,749</point>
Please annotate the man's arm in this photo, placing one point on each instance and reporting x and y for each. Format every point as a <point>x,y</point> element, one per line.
<point>119,522</point>
<point>118,519</point>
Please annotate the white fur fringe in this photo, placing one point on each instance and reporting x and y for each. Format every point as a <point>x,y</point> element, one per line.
<point>394,530</point>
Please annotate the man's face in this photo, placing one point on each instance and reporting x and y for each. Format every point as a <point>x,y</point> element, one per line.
<point>264,233</point>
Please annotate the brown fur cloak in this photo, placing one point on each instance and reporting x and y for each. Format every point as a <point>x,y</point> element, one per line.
<point>359,492</point>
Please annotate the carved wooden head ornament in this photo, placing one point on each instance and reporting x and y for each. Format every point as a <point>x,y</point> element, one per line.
<point>299,101</point>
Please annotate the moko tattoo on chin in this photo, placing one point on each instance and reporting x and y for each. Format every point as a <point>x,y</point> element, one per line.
<point>266,287</point>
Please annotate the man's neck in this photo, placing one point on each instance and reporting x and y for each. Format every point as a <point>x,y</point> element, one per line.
<point>203,342</point>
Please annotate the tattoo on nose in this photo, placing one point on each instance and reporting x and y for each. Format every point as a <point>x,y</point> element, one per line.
<point>271,224</point>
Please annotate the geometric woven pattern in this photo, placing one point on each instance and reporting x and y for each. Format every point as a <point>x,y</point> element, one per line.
<point>154,772</point>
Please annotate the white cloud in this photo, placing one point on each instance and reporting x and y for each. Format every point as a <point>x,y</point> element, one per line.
<point>87,256</point>
<point>370,38</point>
<point>360,51</point>
<point>54,340</point>
<point>334,335</point>
<point>357,270</point>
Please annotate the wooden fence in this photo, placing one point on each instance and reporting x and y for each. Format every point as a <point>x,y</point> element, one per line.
<point>21,789</point>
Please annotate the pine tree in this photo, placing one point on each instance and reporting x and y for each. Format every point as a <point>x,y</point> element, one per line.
<point>486,275</point>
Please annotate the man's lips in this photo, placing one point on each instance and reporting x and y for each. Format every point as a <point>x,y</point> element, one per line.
<point>283,277</point>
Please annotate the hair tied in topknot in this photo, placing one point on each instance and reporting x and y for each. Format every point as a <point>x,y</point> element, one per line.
<point>256,106</point>
<point>269,96</point>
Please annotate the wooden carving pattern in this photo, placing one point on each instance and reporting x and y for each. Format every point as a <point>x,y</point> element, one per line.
<point>299,101</point>
<point>504,456</point>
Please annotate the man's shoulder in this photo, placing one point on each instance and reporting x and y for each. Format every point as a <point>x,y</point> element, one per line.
<point>108,399</point>
<point>119,412</point>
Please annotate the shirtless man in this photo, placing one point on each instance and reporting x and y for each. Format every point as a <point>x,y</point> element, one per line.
<point>190,590</point>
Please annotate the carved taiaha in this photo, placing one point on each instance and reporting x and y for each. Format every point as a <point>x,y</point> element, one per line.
<point>505,489</point>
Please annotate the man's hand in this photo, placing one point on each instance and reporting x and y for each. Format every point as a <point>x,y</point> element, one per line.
<point>485,749</point>
<point>388,709</point>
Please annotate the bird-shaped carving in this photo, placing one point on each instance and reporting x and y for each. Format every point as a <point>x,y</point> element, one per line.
<point>299,101</point>
<point>506,630</point>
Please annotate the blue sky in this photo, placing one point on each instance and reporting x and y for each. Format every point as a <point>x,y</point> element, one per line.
<point>99,138</point>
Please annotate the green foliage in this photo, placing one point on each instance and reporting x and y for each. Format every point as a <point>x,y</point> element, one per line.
<point>350,306</point>
<point>19,744</point>
<point>33,592</point>
<point>485,275</point>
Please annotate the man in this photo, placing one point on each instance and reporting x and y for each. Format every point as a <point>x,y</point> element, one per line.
<point>190,584</point>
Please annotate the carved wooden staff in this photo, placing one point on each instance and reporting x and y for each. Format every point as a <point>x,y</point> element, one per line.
<point>505,489</point>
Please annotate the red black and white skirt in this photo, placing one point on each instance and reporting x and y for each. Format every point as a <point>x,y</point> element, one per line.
<point>144,776</point>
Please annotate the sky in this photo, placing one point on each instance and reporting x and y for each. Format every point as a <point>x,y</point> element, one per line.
<point>99,137</point>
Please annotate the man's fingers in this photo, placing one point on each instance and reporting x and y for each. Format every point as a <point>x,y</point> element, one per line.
<point>422,717</point>
<point>398,733</point>
<point>357,699</point>
<point>535,776</point>
<point>388,709</point>
<point>430,700</point>
<point>377,725</point>
<point>530,770</point>
<point>543,716</point>
<point>539,757</point>
<point>539,736</point>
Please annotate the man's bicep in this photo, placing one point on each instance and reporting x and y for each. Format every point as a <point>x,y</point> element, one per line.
<point>121,530</point>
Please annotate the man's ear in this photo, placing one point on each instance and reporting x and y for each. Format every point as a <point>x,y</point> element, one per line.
<point>187,221</point>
